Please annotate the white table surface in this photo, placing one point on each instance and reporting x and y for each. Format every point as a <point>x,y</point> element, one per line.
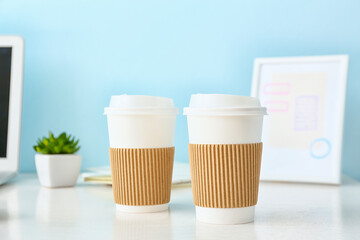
<point>87,211</point>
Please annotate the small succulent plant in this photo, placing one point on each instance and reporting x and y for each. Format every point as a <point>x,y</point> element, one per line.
<point>63,144</point>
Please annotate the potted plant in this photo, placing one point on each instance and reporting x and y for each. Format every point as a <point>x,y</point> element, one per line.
<point>57,165</point>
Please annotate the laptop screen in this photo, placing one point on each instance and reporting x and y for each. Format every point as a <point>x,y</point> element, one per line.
<point>5,70</point>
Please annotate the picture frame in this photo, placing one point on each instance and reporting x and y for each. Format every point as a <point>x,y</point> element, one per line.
<point>303,132</point>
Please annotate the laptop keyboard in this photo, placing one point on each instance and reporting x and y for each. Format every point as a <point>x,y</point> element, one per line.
<point>4,174</point>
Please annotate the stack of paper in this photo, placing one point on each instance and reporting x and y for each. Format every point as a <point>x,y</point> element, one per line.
<point>181,175</point>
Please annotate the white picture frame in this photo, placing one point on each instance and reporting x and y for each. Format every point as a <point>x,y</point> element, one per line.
<point>305,99</point>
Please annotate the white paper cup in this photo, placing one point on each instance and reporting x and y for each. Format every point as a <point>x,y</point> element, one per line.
<point>224,119</point>
<point>141,122</point>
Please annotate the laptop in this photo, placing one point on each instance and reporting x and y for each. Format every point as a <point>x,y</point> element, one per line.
<point>11,81</point>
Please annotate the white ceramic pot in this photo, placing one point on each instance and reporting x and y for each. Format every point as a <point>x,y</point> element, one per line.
<point>58,170</point>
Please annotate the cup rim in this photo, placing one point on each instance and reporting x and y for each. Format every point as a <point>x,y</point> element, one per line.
<point>141,111</point>
<point>225,111</point>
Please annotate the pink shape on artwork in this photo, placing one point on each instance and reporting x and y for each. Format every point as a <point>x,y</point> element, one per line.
<point>277,88</point>
<point>277,106</point>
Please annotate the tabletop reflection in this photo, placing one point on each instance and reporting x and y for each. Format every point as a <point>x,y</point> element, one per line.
<point>142,226</point>
<point>205,231</point>
<point>58,205</point>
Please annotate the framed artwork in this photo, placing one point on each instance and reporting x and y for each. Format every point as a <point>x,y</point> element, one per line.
<point>305,100</point>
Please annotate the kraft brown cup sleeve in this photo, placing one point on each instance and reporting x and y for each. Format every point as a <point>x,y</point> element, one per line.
<point>141,176</point>
<point>225,175</point>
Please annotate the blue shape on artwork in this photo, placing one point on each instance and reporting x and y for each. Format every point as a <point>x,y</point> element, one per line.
<point>320,140</point>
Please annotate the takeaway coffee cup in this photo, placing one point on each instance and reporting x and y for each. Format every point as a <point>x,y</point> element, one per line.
<point>225,156</point>
<point>141,134</point>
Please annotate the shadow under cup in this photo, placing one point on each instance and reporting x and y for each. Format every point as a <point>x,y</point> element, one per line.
<point>225,151</point>
<point>141,133</point>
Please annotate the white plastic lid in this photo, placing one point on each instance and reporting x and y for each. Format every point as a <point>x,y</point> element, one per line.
<point>223,104</point>
<point>140,104</point>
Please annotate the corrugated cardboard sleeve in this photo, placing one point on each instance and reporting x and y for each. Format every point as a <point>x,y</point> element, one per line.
<point>225,175</point>
<point>141,176</point>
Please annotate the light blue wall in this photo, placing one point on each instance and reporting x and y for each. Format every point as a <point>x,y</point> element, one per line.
<point>79,53</point>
